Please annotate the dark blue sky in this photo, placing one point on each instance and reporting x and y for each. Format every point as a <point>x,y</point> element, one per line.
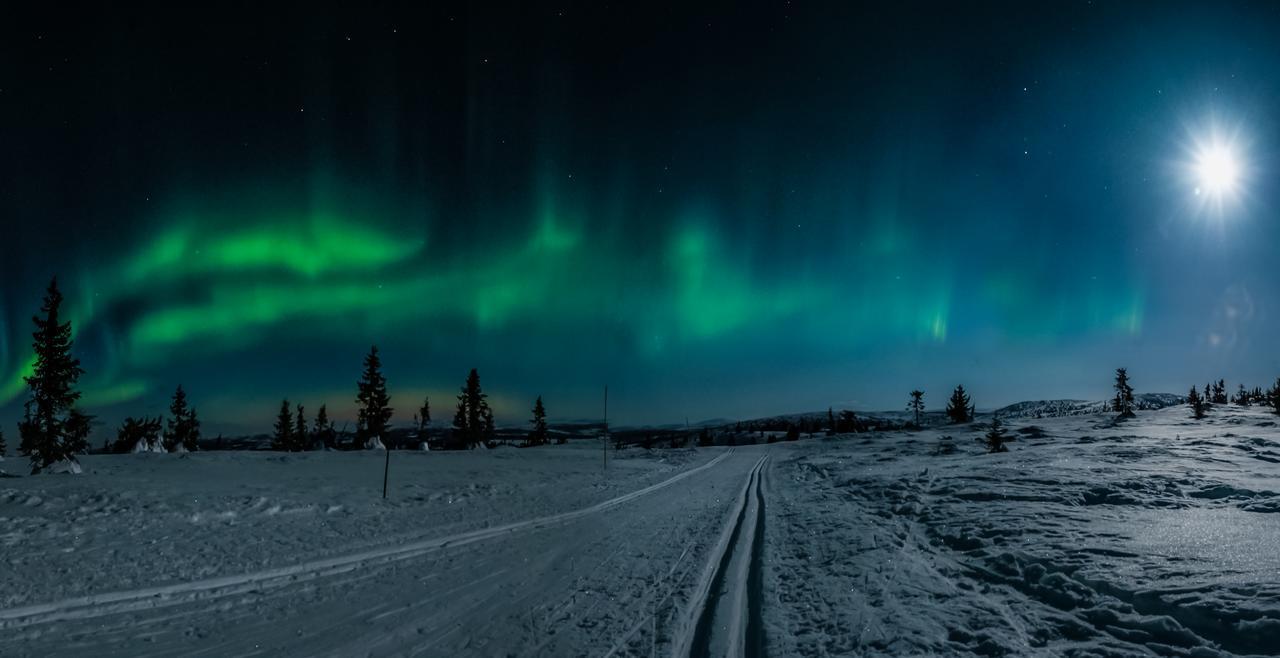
<point>733,211</point>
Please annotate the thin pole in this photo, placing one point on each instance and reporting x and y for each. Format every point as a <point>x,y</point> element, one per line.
<point>386,469</point>
<point>606,427</point>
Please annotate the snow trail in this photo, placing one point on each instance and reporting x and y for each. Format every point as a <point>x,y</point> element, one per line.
<point>87,607</point>
<point>725,617</point>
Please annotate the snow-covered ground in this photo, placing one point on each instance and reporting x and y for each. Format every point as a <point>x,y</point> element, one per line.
<point>1155,536</point>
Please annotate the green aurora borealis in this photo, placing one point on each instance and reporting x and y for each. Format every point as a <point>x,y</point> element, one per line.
<point>735,220</point>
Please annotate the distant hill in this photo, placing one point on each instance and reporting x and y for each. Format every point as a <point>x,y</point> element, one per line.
<point>1055,408</point>
<point>1025,409</point>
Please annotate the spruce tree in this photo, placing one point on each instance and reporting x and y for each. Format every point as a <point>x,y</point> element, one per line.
<point>1123,402</point>
<point>831,421</point>
<point>468,419</point>
<point>323,429</point>
<point>192,442</point>
<point>4,448</point>
<point>916,405</point>
<point>1196,402</point>
<point>1242,396</point>
<point>301,440</point>
<point>1275,397</point>
<point>960,407</point>
<point>375,413</point>
<point>489,431</point>
<point>283,439</point>
<point>424,420</point>
<point>52,429</point>
<point>183,428</point>
<point>996,437</point>
<point>539,434</point>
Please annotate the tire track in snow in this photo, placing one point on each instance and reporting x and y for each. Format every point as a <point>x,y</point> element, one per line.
<point>211,589</point>
<point>725,616</point>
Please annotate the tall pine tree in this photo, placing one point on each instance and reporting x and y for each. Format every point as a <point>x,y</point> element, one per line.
<point>539,434</point>
<point>323,429</point>
<point>959,407</point>
<point>490,432</point>
<point>473,408</point>
<point>1196,403</point>
<point>424,420</point>
<point>1123,402</point>
<point>283,439</point>
<point>52,430</point>
<point>301,438</point>
<point>916,405</point>
<point>374,415</point>
<point>183,427</point>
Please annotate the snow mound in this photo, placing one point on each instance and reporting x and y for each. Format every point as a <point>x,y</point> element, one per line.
<point>144,445</point>
<point>69,466</point>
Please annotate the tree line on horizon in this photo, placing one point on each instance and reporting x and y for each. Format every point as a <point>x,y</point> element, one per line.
<point>53,430</point>
<point>473,424</point>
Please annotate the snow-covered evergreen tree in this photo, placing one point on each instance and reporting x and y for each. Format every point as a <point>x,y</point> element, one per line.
<point>916,405</point>
<point>960,407</point>
<point>469,417</point>
<point>283,439</point>
<point>301,438</point>
<point>183,430</point>
<point>374,416</point>
<point>422,421</point>
<point>1196,403</point>
<point>1123,401</point>
<point>538,436</point>
<point>1220,392</point>
<point>52,430</point>
<point>323,430</point>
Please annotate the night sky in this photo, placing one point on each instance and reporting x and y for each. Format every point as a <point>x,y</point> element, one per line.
<point>719,212</point>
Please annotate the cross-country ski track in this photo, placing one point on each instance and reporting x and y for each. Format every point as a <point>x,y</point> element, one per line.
<point>686,537</point>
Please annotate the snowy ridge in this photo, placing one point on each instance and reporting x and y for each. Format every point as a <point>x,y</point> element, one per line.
<point>1060,408</point>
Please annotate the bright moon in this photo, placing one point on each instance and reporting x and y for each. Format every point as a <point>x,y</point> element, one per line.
<point>1217,170</point>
